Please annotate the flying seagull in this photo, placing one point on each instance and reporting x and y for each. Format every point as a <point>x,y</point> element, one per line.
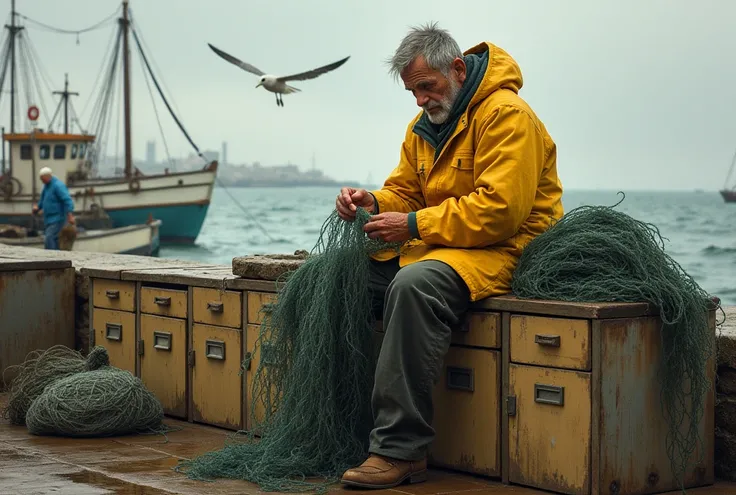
<point>276,84</point>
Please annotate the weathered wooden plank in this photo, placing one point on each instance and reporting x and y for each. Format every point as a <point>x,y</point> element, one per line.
<point>633,431</point>
<point>562,308</point>
<point>201,275</point>
<point>100,265</point>
<point>12,264</point>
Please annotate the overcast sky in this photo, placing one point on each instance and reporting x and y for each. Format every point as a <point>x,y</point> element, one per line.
<point>637,94</point>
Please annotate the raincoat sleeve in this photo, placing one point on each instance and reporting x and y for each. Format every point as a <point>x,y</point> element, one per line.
<point>509,158</point>
<point>402,192</point>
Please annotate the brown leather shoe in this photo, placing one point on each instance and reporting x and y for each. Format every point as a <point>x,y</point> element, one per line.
<point>385,472</point>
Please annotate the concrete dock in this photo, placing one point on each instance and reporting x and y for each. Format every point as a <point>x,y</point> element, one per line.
<point>142,465</point>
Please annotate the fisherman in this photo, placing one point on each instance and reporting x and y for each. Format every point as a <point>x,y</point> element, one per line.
<point>56,205</point>
<point>476,181</point>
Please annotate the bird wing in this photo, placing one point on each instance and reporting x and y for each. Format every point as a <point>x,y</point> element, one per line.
<point>311,74</point>
<point>243,65</point>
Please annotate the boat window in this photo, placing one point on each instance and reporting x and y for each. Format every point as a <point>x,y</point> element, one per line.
<point>44,152</point>
<point>75,147</point>
<point>82,149</point>
<point>59,151</point>
<point>25,151</point>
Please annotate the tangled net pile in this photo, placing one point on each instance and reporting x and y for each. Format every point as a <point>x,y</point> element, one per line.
<point>97,403</point>
<point>596,254</point>
<point>42,368</point>
<point>59,392</point>
<point>316,361</point>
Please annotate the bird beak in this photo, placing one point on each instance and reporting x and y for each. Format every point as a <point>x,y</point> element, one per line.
<point>258,84</point>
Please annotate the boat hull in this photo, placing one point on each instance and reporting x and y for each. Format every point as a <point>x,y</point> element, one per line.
<point>729,196</point>
<point>180,200</point>
<point>142,240</point>
<point>181,223</point>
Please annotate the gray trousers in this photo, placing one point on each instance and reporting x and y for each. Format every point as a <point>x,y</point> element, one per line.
<point>420,304</point>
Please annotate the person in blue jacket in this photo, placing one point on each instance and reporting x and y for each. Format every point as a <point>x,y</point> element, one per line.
<point>56,205</point>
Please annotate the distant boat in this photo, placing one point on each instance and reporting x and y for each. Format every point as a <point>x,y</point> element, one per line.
<point>180,199</point>
<point>142,240</point>
<point>729,194</point>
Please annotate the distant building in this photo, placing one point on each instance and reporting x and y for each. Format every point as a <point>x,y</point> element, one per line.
<point>224,152</point>
<point>150,152</point>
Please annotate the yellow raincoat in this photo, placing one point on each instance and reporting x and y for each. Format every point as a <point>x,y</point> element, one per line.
<point>492,189</point>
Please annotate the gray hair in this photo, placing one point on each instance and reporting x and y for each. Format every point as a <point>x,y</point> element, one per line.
<point>436,45</point>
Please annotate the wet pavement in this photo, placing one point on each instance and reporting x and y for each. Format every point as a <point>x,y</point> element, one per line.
<point>143,465</point>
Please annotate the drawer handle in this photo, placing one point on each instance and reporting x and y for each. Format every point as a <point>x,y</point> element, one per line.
<point>112,294</point>
<point>162,301</point>
<point>214,349</point>
<point>549,394</point>
<point>162,340</point>
<point>113,331</point>
<point>460,378</point>
<point>215,307</point>
<point>547,340</point>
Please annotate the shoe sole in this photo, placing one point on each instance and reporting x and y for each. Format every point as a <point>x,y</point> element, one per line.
<point>412,478</point>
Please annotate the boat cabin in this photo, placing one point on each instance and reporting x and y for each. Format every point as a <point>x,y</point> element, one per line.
<point>65,154</point>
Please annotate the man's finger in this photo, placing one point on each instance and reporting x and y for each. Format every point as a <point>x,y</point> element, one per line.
<point>372,226</point>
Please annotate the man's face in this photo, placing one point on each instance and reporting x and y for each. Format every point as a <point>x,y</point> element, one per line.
<point>434,92</point>
<point>45,179</point>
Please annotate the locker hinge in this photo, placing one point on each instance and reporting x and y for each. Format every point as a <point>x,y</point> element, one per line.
<point>140,347</point>
<point>190,359</point>
<point>511,405</point>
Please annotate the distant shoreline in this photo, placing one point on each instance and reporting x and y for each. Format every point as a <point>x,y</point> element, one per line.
<point>277,184</point>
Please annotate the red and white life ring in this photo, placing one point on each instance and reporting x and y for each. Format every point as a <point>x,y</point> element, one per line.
<point>33,112</point>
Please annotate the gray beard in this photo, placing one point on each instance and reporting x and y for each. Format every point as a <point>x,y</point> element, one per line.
<point>445,104</point>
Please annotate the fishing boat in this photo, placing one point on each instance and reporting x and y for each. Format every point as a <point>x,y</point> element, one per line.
<point>142,240</point>
<point>179,199</point>
<point>729,193</point>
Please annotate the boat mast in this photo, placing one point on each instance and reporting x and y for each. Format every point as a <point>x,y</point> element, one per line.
<point>14,29</point>
<point>125,23</point>
<point>65,96</point>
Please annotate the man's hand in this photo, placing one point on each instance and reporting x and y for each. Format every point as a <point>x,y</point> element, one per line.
<point>35,209</point>
<point>70,218</point>
<point>349,199</point>
<point>389,227</point>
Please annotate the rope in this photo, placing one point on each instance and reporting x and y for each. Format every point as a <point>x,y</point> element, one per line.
<point>315,375</point>
<point>158,119</point>
<point>70,31</point>
<point>245,210</point>
<point>596,254</point>
<point>155,82</point>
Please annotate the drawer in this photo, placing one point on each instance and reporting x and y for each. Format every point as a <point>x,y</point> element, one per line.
<point>550,429</point>
<point>479,329</point>
<point>256,300</point>
<point>217,387</point>
<point>164,302</point>
<point>113,294</point>
<point>467,412</point>
<point>216,307</point>
<point>548,341</point>
<point>115,331</point>
<point>164,362</point>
